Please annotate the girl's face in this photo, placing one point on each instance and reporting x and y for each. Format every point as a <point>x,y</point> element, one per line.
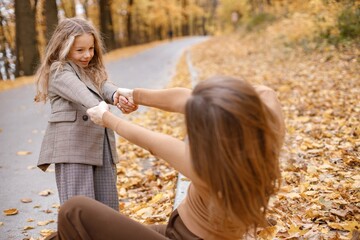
<point>82,50</point>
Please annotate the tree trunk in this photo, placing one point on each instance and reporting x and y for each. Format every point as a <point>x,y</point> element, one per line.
<point>257,6</point>
<point>203,26</point>
<point>129,22</point>
<point>69,8</point>
<point>106,25</point>
<point>27,54</point>
<point>4,58</point>
<point>85,4</point>
<point>51,17</point>
<point>185,22</point>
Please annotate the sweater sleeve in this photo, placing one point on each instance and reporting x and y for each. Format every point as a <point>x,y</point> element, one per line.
<point>171,99</point>
<point>170,149</point>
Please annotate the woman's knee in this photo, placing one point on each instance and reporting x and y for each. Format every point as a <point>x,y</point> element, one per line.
<point>74,205</point>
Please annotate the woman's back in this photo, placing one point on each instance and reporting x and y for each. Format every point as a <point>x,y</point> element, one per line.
<point>235,151</point>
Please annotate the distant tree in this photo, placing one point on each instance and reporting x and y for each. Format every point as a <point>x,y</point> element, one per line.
<point>51,17</point>
<point>69,8</point>
<point>208,19</point>
<point>106,25</point>
<point>258,6</point>
<point>129,22</point>
<point>3,45</point>
<point>27,54</point>
<point>185,28</point>
<point>7,40</point>
<point>85,4</point>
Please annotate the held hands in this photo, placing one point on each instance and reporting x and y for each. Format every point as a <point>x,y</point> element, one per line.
<point>97,112</point>
<point>123,99</point>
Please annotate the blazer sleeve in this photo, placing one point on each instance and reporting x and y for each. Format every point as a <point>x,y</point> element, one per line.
<point>108,90</point>
<point>67,85</point>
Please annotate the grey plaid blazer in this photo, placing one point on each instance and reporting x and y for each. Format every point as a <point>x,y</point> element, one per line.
<point>71,137</point>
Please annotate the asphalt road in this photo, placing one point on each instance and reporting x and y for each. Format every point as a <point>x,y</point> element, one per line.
<point>22,127</point>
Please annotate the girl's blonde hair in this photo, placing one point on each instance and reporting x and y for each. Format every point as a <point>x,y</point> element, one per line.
<point>58,49</point>
<point>235,142</point>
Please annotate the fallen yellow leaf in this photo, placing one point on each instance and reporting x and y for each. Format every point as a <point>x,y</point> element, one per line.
<point>45,193</point>
<point>23,153</point>
<point>46,232</point>
<point>28,227</point>
<point>157,198</point>
<point>43,223</point>
<point>268,233</point>
<point>11,211</point>
<point>26,200</point>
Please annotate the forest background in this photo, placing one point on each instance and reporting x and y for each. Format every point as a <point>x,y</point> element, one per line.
<point>308,51</point>
<point>26,26</point>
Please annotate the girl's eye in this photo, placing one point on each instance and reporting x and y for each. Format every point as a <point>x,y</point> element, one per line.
<point>79,50</point>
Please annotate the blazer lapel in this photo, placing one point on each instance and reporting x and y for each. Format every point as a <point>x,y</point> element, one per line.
<point>85,79</point>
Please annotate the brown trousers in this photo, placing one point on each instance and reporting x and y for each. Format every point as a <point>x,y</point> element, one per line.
<point>84,218</point>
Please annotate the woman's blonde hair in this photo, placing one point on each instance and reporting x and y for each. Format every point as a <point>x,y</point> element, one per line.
<point>58,49</point>
<point>234,147</point>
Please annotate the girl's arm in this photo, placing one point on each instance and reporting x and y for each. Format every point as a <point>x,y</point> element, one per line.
<point>108,90</point>
<point>67,85</point>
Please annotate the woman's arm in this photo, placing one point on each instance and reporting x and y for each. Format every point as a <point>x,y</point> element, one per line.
<point>170,149</point>
<point>171,99</point>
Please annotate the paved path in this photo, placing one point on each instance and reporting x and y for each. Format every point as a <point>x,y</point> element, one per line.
<point>22,126</point>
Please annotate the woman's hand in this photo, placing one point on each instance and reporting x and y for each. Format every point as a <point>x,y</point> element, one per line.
<point>123,99</point>
<point>97,112</point>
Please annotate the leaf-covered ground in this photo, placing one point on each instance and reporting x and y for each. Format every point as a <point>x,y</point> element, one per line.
<point>146,184</point>
<point>319,87</point>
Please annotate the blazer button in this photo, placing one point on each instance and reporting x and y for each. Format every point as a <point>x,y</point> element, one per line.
<point>85,117</point>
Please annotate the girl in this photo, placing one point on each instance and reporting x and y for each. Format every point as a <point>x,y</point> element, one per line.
<point>72,76</point>
<point>235,133</point>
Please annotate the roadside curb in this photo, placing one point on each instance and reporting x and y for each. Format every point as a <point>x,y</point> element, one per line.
<point>182,182</point>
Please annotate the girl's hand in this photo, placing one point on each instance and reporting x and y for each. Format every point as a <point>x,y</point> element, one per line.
<point>123,99</point>
<point>125,105</point>
<point>97,112</point>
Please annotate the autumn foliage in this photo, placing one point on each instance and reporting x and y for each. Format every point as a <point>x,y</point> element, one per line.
<point>309,52</point>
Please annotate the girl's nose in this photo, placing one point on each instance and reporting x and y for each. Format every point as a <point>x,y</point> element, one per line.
<point>87,54</point>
